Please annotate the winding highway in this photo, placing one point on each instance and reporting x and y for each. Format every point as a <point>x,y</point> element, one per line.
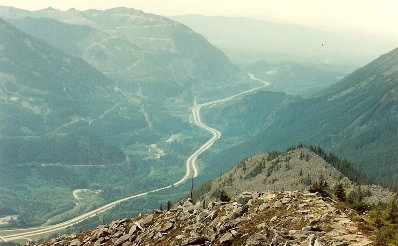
<point>191,170</point>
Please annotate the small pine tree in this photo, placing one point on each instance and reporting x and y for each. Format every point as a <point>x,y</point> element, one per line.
<point>287,167</point>
<point>224,197</point>
<point>378,219</point>
<point>359,205</point>
<point>168,205</point>
<point>308,180</point>
<point>360,195</point>
<point>392,211</point>
<point>339,192</point>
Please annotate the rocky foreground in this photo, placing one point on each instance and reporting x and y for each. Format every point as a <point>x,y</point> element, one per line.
<point>252,218</point>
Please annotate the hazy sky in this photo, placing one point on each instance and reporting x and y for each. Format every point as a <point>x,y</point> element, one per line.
<point>380,16</point>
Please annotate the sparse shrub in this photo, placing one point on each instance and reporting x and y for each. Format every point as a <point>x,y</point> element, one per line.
<point>256,170</point>
<point>273,155</point>
<point>367,193</point>
<point>224,197</point>
<point>321,187</point>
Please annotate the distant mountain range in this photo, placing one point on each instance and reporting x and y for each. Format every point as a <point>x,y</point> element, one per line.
<point>248,40</point>
<point>356,117</point>
<point>132,47</point>
<point>297,78</point>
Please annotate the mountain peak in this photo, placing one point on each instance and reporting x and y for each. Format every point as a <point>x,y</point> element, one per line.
<point>49,9</point>
<point>296,169</point>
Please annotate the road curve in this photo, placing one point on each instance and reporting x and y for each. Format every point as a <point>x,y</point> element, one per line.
<point>191,170</point>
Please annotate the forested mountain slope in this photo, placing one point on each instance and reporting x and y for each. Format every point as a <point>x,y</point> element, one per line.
<point>132,47</point>
<point>44,92</point>
<point>356,118</point>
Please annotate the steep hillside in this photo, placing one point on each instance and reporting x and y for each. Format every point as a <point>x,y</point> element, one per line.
<point>59,119</point>
<point>132,47</point>
<point>44,92</point>
<point>249,114</point>
<point>356,118</point>
<point>124,62</point>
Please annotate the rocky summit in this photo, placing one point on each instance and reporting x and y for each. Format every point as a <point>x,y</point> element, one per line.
<point>251,218</point>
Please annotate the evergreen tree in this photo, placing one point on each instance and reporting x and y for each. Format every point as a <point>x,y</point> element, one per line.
<point>321,187</point>
<point>301,155</point>
<point>392,211</point>
<point>339,192</point>
<point>359,205</point>
<point>378,219</point>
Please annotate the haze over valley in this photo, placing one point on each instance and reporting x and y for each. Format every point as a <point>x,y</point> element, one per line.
<point>113,112</point>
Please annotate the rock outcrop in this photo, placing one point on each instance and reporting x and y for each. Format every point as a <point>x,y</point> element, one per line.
<point>252,218</point>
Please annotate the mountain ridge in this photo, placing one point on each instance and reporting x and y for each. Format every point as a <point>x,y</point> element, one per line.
<point>295,169</point>
<point>162,43</point>
<point>355,118</point>
<point>267,39</point>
